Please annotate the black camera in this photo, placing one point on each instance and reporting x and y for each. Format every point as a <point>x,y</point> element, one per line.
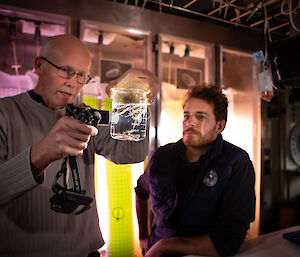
<point>69,202</point>
<point>72,199</point>
<point>88,115</point>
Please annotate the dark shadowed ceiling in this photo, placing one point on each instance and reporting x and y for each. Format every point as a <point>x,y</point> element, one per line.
<point>270,16</point>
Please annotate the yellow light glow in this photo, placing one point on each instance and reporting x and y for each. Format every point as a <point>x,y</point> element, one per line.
<point>136,171</point>
<point>102,198</point>
<point>103,205</point>
<point>170,128</point>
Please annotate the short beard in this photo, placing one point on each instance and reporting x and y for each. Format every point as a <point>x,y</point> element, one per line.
<point>198,140</point>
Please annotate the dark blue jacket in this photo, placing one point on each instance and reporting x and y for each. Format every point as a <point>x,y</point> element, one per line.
<point>220,200</point>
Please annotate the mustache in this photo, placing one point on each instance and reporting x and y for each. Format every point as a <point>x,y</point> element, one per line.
<point>190,130</point>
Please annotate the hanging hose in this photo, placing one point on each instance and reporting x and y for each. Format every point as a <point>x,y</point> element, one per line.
<point>291,16</point>
<point>170,62</point>
<point>13,35</point>
<point>169,69</point>
<point>100,43</point>
<point>37,36</point>
<point>186,55</point>
<point>290,12</point>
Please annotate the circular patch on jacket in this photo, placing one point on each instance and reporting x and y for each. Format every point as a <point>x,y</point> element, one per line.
<point>210,178</point>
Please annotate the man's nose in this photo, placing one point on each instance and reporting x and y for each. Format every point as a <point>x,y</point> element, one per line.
<point>192,125</point>
<point>191,122</point>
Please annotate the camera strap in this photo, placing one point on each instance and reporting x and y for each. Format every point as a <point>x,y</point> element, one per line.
<point>75,174</point>
<point>64,172</point>
<point>69,199</point>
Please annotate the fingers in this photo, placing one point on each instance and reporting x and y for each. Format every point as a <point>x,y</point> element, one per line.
<point>137,78</point>
<point>73,140</point>
<point>144,245</point>
<point>151,80</point>
<point>110,85</point>
<point>151,97</point>
<point>68,137</point>
<point>71,148</point>
<point>71,136</point>
<point>76,127</point>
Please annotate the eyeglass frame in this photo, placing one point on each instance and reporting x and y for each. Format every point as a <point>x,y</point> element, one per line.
<point>70,75</point>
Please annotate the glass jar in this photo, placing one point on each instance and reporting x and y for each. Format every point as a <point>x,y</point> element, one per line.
<point>129,114</point>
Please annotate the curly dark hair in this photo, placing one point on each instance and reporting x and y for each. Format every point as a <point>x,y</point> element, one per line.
<point>213,95</point>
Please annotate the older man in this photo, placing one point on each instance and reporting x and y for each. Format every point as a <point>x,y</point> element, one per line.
<point>35,136</point>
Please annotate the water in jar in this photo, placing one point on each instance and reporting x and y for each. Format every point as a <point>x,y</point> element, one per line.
<point>129,114</point>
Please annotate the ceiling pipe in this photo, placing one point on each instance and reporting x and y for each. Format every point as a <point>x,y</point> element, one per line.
<point>241,15</point>
<point>250,11</point>
<point>279,26</point>
<point>231,3</point>
<point>213,17</point>
<point>190,3</point>
<point>262,21</point>
<point>219,8</point>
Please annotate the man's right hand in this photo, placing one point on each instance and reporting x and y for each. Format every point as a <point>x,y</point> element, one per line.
<point>144,245</point>
<point>68,137</point>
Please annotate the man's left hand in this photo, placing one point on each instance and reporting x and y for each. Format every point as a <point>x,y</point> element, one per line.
<point>137,78</point>
<point>155,250</point>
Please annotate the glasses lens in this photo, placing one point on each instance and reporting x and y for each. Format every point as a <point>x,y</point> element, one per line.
<point>80,79</point>
<point>64,73</point>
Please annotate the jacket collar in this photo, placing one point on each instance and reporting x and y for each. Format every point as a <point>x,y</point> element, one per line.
<point>36,97</point>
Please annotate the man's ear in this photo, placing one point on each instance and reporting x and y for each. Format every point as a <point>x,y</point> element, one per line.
<point>220,126</point>
<point>38,65</point>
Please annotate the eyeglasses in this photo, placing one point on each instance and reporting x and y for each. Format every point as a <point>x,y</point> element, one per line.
<point>65,73</point>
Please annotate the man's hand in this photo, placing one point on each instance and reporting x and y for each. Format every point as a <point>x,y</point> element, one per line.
<point>137,78</point>
<point>155,250</point>
<point>144,245</point>
<point>68,137</point>
<point>198,245</point>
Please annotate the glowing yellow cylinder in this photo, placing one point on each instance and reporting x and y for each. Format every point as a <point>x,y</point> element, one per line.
<point>119,185</point>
